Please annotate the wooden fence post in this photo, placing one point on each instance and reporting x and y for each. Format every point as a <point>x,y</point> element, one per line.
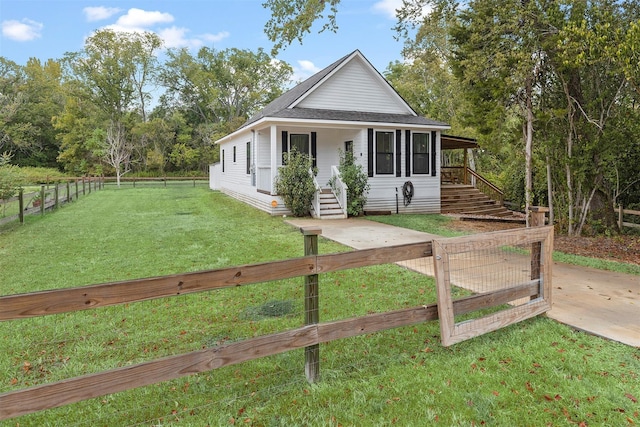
<point>538,219</point>
<point>56,196</point>
<point>21,205</point>
<point>311,296</point>
<point>620,218</point>
<point>42,199</point>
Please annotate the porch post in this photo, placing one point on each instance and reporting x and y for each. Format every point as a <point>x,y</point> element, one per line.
<point>464,170</point>
<point>274,156</point>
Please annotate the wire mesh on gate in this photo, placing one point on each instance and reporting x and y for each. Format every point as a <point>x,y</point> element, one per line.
<point>504,276</point>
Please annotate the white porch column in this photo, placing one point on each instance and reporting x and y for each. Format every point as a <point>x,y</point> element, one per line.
<point>274,156</point>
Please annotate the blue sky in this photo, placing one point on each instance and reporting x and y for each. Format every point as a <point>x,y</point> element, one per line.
<point>48,28</point>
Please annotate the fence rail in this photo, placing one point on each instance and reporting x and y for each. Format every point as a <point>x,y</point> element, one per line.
<point>308,336</point>
<point>162,180</point>
<point>622,222</point>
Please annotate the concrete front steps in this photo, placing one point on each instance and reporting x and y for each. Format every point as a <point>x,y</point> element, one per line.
<point>329,207</point>
<point>468,200</point>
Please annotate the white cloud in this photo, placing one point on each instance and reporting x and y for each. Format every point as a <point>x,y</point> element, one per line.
<point>215,38</point>
<point>304,70</point>
<point>99,13</point>
<point>308,66</point>
<point>22,31</point>
<point>177,37</point>
<point>138,18</point>
<point>387,7</point>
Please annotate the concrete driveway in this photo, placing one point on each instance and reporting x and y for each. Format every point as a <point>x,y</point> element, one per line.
<point>599,302</point>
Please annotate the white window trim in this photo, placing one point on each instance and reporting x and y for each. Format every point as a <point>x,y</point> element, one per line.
<point>375,153</point>
<point>413,172</point>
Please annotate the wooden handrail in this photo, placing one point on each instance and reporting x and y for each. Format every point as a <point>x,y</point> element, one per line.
<point>489,184</point>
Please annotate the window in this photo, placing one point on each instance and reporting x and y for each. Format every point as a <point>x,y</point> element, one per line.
<point>348,147</point>
<point>299,142</point>
<point>248,157</point>
<point>420,148</point>
<point>384,153</point>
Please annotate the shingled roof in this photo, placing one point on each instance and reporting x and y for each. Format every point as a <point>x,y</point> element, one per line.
<point>281,106</point>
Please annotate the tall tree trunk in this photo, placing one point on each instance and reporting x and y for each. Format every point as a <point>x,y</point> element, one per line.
<point>528,134</point>
<point>550,192</point>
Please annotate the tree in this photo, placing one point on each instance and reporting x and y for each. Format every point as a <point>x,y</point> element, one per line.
<point>29,97</point>
<point>291,19</point>
<point>10,179</point>
<point>499,59</point>
<point>220,86</point>
<point>113,69</point>
<point>216,92</point>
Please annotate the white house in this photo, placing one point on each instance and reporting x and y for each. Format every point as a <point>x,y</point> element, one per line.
<point>346,106</point>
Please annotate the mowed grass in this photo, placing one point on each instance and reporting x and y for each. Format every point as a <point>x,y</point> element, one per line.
<point>538,372</point>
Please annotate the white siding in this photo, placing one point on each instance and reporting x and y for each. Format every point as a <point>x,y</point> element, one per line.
<point>382,196</point>
<point>355,87</point>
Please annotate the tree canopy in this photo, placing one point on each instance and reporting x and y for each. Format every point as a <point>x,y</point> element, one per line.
<point>550,88</point>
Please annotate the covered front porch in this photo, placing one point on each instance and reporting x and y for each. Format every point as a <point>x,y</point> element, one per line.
<point>323,144</point>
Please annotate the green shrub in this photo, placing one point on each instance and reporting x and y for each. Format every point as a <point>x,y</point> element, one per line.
<point>295,184</point>
<point>356,180</point>
<point>11,178</point>
<point>37,175</point>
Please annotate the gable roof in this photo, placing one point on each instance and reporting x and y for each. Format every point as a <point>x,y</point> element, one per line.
<point>286,105</point>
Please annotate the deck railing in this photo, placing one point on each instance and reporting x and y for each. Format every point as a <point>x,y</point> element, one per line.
<point>339,188</point>
<point>467,176</point>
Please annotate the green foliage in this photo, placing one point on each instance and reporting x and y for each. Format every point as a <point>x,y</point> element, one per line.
<point>11,178</point>
<point>183,156</point>
<point>291,19</point>
<point>356,180</point>
<point>295,184</point>
<point>34,175</point>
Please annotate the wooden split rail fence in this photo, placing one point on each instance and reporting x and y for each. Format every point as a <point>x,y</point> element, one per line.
<point>622,222</point>
<point>308,336</point>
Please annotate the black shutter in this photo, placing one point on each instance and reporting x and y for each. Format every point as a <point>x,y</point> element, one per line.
<point>370,151</point>
<point>433,153</point>
<point>223,161</point>
<point>398,152</point>
<point>407,152</point>
<point>314,149</point>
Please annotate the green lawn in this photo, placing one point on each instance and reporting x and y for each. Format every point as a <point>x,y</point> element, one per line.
<point>538,372</point>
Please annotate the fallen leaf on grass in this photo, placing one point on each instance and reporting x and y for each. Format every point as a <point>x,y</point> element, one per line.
<point>631,397</point>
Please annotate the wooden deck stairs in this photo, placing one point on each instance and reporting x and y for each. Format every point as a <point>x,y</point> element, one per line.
<point>467,200</point>
<point>329,206</point>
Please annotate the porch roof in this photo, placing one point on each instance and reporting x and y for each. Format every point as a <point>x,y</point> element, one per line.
<point>451,142</point>
<point>355,116</point>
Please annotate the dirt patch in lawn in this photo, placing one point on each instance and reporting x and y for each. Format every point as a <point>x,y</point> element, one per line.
<point>621,248</point>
